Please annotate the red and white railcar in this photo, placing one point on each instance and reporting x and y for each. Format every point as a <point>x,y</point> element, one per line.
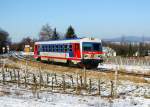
<point>81,51</point>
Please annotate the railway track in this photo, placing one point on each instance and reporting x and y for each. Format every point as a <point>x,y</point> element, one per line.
<point>21,57</point>
<point>125,73</point>
<point>120,72</point>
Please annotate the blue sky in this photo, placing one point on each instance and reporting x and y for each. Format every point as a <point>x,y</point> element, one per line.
<point>92,18</point>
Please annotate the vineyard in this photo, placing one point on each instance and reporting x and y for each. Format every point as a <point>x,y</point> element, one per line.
<point>46,83</point>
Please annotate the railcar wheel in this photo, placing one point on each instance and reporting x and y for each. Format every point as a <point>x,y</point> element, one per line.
<point>94,66</point>
<point>88,66</point>
<point>70,63</point>
<point>38,59</point>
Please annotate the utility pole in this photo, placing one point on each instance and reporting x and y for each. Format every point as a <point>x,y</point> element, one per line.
<point>3,48</point>
<point>116,78</point>
<point>8,49</point>
<point>116,82</point>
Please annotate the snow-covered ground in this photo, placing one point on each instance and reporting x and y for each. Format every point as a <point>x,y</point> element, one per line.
<point>130,94</point>
<point>57,100</point>
<point>18,98</point>
<point>127,68</point>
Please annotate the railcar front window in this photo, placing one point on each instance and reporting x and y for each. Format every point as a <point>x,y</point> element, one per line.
<point>87,46</point>
<point>96,47</point>
<point>92,47</point>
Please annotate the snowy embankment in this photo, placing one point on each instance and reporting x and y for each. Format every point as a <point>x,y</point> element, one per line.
<point>127,68</point>
<point>18,98</point>
<point>72,101</point>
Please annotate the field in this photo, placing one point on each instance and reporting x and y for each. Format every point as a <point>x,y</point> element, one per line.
<point>34,84</point>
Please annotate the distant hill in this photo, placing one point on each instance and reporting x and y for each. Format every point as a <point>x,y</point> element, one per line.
<point>128,39</point>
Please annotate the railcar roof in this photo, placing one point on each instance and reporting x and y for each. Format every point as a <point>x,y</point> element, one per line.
<point>76,40</point>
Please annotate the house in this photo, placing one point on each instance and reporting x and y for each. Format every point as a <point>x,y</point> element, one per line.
<point>108,52</point>
<point>143,53</point>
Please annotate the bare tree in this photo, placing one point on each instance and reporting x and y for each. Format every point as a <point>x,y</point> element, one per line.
<point>46,32</point>
<point>25,41</point>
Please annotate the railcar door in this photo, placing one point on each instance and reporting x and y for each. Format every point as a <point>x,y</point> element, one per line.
<point>70,51</point>
<point>36,51</point>
<point>77,52</point>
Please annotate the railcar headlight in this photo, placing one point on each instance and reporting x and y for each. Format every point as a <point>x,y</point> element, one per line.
<point>85,55</point>
<point>99,56</point>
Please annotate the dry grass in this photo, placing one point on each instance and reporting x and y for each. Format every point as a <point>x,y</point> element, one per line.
<point>90,73</point>
<point>12,66</point>
<point>54,68</point>
<point>2,93</point>
<point>147,97</point>
<point>111,76</point>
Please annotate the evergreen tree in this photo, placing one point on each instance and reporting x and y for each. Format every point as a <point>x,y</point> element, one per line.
<point>70,33</point>
<point>4,40</point>
<point>141,49</point>
<point>130,51</point>
<point>55,35</point>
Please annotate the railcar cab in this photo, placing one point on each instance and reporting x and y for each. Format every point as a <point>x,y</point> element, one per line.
<point>91,53</point>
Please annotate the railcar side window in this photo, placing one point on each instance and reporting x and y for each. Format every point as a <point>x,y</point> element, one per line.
<point>65,46</point>
<point>53,48</point>
<point>70,47</point>
<point>61,48</point>
<point>65,49</point>
<point>56,48</point>
<point>46,47</point>
<point>49,48</point>
<point>43,48</point>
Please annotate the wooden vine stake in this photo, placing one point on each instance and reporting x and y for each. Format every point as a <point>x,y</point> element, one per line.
<point>64,85</point>
<point>99,87</point>
<point>112,91</point>
<point>18,80</point>
<point>90,86</point>
<point>52,83</point>
<point>71,80</point>
<point>85,82</point>
<point>11,77</point>
<point>77,85</point>
<point>3,75</point>
<point>55,78</point>
<point>81,84</point>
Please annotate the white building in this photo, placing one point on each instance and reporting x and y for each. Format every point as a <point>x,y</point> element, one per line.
<point>109,51</point>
